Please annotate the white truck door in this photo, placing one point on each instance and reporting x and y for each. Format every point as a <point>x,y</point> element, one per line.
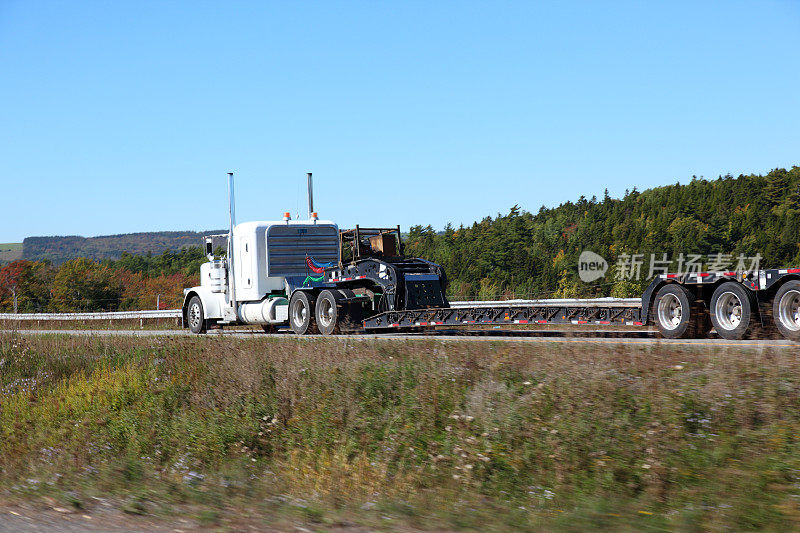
<point>246,262</point>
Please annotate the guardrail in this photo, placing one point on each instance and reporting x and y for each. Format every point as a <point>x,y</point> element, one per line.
<point>114,315</point>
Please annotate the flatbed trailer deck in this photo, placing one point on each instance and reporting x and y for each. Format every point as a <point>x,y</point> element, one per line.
<point>600,311</point>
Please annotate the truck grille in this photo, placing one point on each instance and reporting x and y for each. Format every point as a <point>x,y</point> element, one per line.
<point>288,246</point>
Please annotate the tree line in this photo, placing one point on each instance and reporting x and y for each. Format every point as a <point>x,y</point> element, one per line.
<point>527,254</point>
<point>132,282</point>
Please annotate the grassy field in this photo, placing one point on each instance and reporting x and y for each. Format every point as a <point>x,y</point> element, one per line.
<point>408,435</point>
<point>10,252</point>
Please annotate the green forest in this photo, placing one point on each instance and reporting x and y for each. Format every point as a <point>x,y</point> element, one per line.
<point>527,254</point>
<point>518,254</point>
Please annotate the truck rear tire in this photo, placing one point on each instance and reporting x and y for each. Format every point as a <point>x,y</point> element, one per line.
<point>786,310</point>
<point>732,311</point>
<point>328,313</point>
<point>301,313</point>
<point>674,307</point>
<point>195,316</point>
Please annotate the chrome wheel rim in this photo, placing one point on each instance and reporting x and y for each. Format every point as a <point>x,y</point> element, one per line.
<point>195,315</point>
<point>670,311</point>
<point>299,312</point>
<point>326,313</point>
<point>789,310</point>
<point>728,311</point>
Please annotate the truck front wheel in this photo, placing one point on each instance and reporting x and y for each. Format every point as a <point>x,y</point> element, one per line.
<point>301,313</point>
<point>195,315</point>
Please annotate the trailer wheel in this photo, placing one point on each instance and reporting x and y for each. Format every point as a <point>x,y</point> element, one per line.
<point>786,310</point>
<point>328,313</point>
<point>195,315</point>
<point>731,311</point>
<point>673,312</point>
<point>301,313</point>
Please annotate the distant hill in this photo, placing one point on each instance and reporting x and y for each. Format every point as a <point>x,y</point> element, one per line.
<point>60,249</point>
<point>10,252</point>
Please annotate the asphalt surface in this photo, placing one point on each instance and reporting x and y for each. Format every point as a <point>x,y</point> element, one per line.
<point>40,517</point>
<point>626,337</point>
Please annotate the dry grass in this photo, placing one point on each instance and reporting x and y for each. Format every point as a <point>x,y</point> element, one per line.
<point>417,434</point>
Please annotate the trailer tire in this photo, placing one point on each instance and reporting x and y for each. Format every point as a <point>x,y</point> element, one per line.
<point>301,313</point>
<point>328,312</point>
<point>195,316</point>
<point>674,307</point>
<point>731,311</point>
<point>786,310</point>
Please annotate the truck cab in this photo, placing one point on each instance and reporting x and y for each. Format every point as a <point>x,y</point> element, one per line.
<point>264,263</point>
<point>308,275</point>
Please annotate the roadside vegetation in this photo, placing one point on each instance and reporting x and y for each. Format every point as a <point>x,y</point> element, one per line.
<point>130,283</point>
<point>406,435</point>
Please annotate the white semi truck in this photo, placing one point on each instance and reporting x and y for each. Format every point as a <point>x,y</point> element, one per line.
<point>311,276</point>
<point>291,272</point>
<point>263,263</point>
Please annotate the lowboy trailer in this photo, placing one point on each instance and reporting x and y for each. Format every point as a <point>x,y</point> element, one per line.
<point>736,305</point>
<point>311,276</point>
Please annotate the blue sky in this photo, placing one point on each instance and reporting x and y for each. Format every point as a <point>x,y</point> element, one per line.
<point>120,117</point>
